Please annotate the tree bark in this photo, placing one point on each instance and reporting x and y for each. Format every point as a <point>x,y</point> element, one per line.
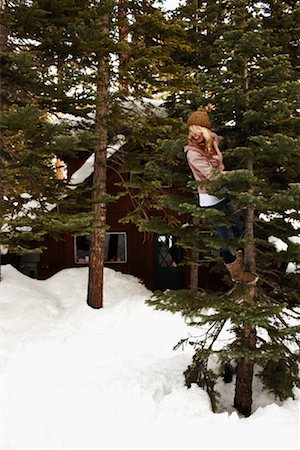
<point>194,274</point>
<point>97,249</point>
<point>3,47</point>
<point>249,253</point>
<point>3,28</point>
<point>245,365</point>
<point>123,39</point>
<point>244,375</point>
<point>194,268</point>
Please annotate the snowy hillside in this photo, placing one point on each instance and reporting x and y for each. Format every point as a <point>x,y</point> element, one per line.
<point>73,377</point>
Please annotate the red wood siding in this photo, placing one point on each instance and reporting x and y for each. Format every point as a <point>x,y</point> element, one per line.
<point>140,246</point>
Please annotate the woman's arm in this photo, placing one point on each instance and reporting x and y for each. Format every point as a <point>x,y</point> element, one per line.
<point>201,166</point>
<point>219,153</point>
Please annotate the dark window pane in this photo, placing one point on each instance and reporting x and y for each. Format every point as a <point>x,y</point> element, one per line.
<point>115,248</point>
<point>169,254</point>
<point>82,249</point>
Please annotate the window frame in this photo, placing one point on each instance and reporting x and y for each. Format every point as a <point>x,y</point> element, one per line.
<point>86,263</point>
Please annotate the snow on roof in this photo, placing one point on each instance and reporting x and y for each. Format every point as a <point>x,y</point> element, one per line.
<point>78,177</point>
<point>146,106</point>
<point>142,106</point>
<point>88,166</point>
<point>27,209</point>
<point>29,206</point>
<point>274,215</point>
<point>278,243</point>
<point>69,119</point>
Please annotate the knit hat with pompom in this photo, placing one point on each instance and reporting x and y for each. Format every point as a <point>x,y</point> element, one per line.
<point>200,118</point>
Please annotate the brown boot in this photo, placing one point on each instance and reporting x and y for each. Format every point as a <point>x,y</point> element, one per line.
<point>239,275</point>
<point>239,254</point>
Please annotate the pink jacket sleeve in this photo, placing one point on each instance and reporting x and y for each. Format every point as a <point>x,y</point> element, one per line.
<point>201,166</point>
<point>219,154</point>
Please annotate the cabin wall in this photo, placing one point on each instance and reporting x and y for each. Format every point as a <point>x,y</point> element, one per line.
<point>142,248</point>
<point>61,254</point>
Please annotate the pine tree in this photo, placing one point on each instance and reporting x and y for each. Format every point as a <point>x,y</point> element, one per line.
<point>245,72</point>
<point>145,63</point>
<point>96,266</point>
<point>71,50</point>
<point>35,65</point>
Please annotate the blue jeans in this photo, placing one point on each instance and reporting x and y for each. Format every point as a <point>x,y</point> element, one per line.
<point>230,232</point>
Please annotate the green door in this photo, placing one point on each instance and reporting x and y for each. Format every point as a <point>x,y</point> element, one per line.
<point>167,259</point>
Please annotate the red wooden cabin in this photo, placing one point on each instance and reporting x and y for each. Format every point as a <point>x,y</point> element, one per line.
<point>150,257</point>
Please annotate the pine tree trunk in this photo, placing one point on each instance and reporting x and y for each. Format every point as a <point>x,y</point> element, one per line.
<point>97,249</point>
<point>3,86</point>
<point>244,375</point>
<point>194,274</point>
<point>194,268</point>
<point>3,46</point>
<point>249,253</point>
<point>123,39</point>
<point>3,28</point>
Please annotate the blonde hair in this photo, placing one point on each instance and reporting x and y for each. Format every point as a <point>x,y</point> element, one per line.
<point>208,137</point>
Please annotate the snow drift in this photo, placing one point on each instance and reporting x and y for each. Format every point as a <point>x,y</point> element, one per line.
<point>74,377</point>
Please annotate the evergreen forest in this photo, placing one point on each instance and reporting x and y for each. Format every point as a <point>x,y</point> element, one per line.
<point>72,75</point>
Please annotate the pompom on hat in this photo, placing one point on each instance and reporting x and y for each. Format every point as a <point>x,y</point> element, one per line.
<point>200,118</point>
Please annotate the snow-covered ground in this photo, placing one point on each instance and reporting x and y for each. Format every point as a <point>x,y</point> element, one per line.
<point>78,378</point>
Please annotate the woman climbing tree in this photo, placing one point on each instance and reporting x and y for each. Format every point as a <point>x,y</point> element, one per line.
<point>206,163</point>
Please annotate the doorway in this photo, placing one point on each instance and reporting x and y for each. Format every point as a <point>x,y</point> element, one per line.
<point>168,256</point>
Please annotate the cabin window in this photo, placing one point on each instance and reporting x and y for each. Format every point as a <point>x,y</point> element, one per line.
<point>115,248</point>
<point>169,253</point>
